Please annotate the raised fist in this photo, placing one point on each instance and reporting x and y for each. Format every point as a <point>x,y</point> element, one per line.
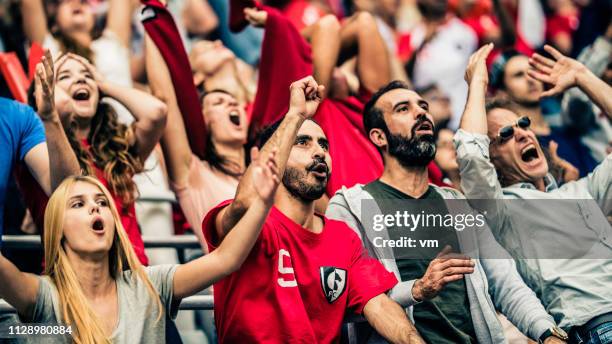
<point>306,95</point>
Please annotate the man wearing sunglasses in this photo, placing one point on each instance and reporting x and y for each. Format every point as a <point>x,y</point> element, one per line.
<point>510,79</point>
<point>560,236</point>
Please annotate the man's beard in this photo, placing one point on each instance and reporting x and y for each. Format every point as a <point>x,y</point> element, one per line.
<point>417,151</point>
<point>295,181</point>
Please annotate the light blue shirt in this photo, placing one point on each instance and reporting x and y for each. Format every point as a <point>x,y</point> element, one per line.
<point>573,290</point>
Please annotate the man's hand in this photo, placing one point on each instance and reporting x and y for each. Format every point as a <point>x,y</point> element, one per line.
<point>256,17</point>
<point>266,176</point>
<point>44,82</point>
<point>554,340</point>
<point>446,268</point>
<point>569,171</point>
<point>562,72</point>
<point>306,95</point>
<point>476,70</point>
<point>474,118</point>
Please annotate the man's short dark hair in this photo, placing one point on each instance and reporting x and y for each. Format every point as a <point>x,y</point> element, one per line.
<point>500,103</point>
<point>373,116</point>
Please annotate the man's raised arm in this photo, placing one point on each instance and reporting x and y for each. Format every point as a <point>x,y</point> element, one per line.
<point>478,176</point>
<point>563,73</point>
<point>474,119</point>
<point>305,99</point>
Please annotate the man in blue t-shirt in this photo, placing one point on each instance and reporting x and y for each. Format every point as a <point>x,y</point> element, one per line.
<point>23,139</point>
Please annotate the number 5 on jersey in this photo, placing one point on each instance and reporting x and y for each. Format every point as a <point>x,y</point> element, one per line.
<point>285,267</point>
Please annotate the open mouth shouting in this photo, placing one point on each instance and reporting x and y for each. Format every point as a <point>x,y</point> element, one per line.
<point>97,225</point>
<point>529,154</point>
<point>234,117</point>
<point>81,95</point>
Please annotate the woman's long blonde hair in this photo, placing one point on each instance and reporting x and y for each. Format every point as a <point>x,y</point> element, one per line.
<point>76,311</point>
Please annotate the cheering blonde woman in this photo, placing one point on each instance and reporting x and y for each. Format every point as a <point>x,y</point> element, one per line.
<point>93,281</point>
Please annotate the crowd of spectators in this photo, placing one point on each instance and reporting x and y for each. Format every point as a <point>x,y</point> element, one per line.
<point>167,109</point>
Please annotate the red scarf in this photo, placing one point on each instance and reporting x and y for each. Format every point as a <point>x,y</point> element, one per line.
<point>161,28</point>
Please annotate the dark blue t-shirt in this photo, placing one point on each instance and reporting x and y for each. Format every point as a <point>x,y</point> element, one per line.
<point>570,149</point>
<point>20,131</point>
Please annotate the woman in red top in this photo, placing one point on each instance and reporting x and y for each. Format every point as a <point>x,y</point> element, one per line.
<point>110,150</point>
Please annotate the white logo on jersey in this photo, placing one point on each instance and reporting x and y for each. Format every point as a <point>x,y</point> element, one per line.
<point>282,269</point>
<point>333,282</point>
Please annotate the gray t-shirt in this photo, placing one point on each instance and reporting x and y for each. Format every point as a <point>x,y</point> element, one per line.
<point>137,310</point>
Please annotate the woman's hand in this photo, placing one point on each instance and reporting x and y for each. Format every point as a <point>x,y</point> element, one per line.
<point>97,76</point>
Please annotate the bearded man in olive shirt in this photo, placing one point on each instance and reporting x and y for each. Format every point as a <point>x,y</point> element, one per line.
<point>446,318</point>
<point>453,297</point>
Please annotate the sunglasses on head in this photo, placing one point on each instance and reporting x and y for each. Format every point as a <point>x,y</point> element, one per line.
<point>508,131</point>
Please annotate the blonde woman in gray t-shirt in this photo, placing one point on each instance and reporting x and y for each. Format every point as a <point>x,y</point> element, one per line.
<point>93,281</point>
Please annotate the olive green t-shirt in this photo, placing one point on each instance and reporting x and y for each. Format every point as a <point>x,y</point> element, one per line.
<point>445,318</point>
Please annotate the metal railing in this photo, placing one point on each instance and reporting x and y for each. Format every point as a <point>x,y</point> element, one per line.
<point>179,242</point>
<point>196,302</point>
<point>176,241</point>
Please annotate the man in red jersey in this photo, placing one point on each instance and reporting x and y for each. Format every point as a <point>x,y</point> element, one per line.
<point>305,271</point>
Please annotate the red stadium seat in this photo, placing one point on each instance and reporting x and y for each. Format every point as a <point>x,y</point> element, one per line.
<point>36,54</point>
<point>15,76</point>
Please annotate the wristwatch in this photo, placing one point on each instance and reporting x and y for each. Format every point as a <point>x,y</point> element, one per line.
<point>555,332</point>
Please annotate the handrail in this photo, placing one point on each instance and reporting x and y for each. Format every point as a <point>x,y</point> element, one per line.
<point>189,303</point>
<point>175,241</point>
<point>195,302</point>
<point>157,199</point>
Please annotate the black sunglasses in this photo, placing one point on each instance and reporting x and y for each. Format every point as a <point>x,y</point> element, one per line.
<point>508,131</point>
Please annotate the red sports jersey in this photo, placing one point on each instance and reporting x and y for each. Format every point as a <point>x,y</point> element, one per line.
<point>296,285</point>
